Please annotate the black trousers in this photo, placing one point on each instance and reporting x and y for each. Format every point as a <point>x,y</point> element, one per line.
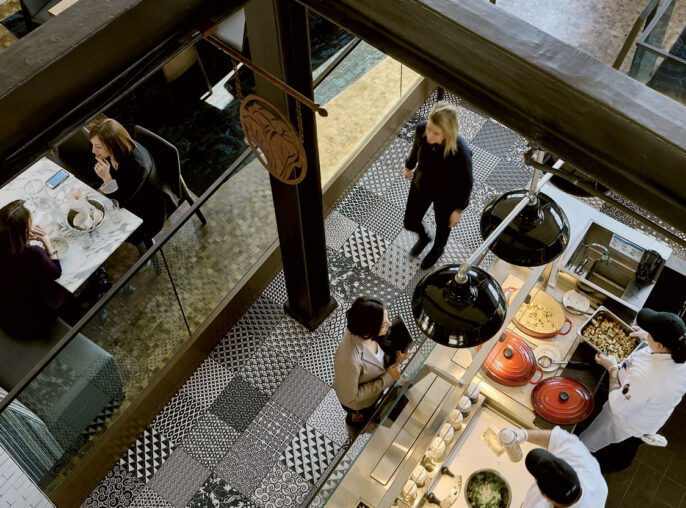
<point>417,205</point>
<point>617,456</point>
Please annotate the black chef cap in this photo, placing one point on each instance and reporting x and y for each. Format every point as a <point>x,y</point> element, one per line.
<point>555,478</point>
<point>666,328</point>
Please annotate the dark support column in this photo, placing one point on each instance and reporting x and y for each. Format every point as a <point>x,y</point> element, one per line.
<point>279,42</point>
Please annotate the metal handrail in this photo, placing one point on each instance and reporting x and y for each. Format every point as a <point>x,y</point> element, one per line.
<point>643,19</point>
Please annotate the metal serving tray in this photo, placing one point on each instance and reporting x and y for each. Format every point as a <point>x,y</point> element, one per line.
<point>602,311</point>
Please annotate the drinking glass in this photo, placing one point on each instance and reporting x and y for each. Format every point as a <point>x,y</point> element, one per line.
<point>115,211</point>
<point>37,195</point>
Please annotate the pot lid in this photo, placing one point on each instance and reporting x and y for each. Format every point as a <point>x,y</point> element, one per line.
<point>511,361</point>
<point>562,400</point>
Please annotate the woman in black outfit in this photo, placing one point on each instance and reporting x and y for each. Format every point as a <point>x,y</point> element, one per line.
<point>127,170</point>
<point>30,296</point>
<point>443,177</point>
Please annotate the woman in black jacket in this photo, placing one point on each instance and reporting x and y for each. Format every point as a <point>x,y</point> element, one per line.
<point>126,168</point>
<point>443,177</point>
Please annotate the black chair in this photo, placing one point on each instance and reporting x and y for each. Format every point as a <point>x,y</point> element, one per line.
<point>36,12</point>
<point>168,178</point>
<point>75,155</point>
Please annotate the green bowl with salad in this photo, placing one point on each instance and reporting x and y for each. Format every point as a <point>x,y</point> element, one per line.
<point>486,488</point>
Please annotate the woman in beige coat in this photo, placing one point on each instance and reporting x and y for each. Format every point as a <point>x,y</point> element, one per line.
<point>361,368</point>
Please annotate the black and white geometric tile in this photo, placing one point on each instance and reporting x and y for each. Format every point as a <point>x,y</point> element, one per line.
<point>238,346</point>
<point>273,428</point>
<point>262,317</point>
<point>392,160</point>
<point>309,454</point>
<point>397,194</point>
<point>495,139</point>
<point>357,204</point>
<point>483,163</point>
<point>216,493</point>
<point>300,393</point>
<point>148,498</point>
<point>396,266</point>
<point>209,440</point>
<point>508,176</point>
<point>118,488</point>
<point>470,122</point>
<point>319,360</point>
<point>207,382</point>
<point>291,338</point>
<point>282,488</point>
<point>268,367</point>
<point>329,419</point>
<point>239,403</point>
<point>338,228</point>
<point>146,455</point>
<point>179,415</point>
<point>364,247</point>
<point>276,290</point>
<point>386,220</point>
<point>379,178</point>
<point>178,478</point>
<point>246,464</point>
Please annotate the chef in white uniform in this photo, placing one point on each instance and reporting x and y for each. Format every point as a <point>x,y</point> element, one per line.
<point>645,388</point>
<point>566,473</point>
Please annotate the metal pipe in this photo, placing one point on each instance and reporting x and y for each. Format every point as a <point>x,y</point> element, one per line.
<point>218,43</point>
<point>461,275</point>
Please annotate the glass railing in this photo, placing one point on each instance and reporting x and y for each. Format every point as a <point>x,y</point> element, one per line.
<point>148,306</point>
<point>660,57</point>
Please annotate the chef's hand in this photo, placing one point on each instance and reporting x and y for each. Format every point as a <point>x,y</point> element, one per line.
<point>394,371</point>
<point>400,357</point>
<point>408,174</point>
<point>454,218</point>
<point>521,435</point>
<point>606,361</point>
<point>102,169</point>
<point>640,333</point>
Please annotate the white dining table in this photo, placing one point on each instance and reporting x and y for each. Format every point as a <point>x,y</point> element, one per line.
<point>87,250</point>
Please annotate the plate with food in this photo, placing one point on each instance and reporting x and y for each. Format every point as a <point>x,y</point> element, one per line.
<point>608,334</point>
<point>486,488</point>
<point>542,317</point>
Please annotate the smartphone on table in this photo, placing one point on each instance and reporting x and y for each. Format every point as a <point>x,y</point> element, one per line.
<point>57,179</point>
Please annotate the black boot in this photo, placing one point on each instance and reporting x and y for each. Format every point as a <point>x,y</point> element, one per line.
<point>431,258</point>
<point>424,240</point>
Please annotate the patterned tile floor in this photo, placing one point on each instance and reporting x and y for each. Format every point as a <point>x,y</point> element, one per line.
<point>258,424</point>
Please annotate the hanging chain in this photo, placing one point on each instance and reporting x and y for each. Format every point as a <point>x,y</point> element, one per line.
<point>237,79</point>
<point>300,121</point>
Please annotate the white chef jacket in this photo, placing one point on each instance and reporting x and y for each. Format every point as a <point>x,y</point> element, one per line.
<point>569,448</point>
<point>652,384</point>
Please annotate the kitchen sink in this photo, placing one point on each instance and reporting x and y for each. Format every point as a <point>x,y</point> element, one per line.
<point>605,261</point>
<point>611,276</point>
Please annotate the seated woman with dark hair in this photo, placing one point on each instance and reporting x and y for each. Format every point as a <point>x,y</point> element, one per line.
<point>126,168</point>
<point>362,369</point>
<point>30,295</point>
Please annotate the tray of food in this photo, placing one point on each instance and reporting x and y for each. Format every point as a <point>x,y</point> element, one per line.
<point>608,334</point>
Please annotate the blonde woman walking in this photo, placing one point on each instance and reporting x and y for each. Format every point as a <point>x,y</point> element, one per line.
<point>443,176</point>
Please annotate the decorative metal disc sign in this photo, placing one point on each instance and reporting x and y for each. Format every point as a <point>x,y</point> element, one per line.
<point>273,140</point>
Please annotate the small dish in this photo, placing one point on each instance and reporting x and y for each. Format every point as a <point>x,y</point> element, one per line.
<point>60,245</point>
<point>550,352</point>
<point>97,213</point>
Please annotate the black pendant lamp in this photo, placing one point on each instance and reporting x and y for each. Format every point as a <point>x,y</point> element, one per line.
<point>536,236</point>
<point>459,309</point>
